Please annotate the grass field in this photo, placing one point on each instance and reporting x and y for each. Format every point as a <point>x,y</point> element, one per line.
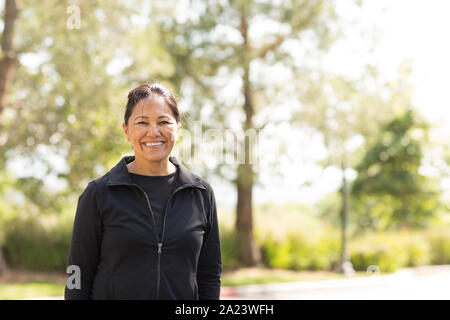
<point>18,284</point>
<point>19,291</point>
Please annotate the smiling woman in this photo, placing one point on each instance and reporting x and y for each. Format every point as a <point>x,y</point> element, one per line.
<point>151,125</point>
<point>148,228</point>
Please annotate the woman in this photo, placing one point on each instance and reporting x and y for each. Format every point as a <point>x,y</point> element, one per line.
<point>148,228</point>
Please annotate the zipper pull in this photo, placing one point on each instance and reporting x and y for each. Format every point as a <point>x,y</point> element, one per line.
<point>159,247</point>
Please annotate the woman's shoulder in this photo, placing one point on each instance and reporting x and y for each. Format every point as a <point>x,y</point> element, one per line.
<point>198,179</point>
<point>207,186</point>
<point>95,184</point>
<point>115,174</point>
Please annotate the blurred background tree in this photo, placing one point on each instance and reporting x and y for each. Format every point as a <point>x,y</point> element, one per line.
<point>391,189</point>
<point>60,123</point>
<point>348,114</point>
<point>67,97</point>
<point>238,66</point>
<point>219,47</point>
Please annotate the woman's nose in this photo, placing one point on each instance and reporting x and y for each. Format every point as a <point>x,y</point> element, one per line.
<point>153,130</point>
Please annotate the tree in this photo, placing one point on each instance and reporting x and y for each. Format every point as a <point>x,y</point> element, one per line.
<point>348,113</point>
<point>391,172</point>
<point>60,70</point>
<point>65,101</point>
<point>218,47</point>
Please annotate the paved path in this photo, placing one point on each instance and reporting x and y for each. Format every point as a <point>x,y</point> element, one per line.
<point>431,282</point>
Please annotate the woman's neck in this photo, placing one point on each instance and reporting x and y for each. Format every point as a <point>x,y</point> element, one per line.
<point>147,168</point>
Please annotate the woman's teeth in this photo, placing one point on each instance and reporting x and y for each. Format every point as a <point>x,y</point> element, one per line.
<point>149,144</point>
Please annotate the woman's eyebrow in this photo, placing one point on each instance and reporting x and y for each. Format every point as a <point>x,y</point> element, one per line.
<point>140,117</point>
<point>148,117</point>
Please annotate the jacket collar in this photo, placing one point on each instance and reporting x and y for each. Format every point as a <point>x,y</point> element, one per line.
<point>119,175</point>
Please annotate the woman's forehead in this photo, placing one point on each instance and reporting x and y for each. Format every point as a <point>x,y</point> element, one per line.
<point>154,106</point>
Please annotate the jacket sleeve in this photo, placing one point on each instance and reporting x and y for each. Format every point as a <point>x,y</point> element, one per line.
<point>85,245</point>
<point>210,261</point>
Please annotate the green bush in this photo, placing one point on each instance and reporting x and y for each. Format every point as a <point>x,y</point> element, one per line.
<point>301,252</point>
<point>228,243</point>
<point>298,252</point>
<point>418,252</point>
<point>31,246</point>
<point>386,258</point>
<point>390,251</point>
<point>275,253</point>
<point>320,250</point>
<point>439,241</point>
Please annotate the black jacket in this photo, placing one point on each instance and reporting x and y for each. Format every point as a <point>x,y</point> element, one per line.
<point>116,246</point>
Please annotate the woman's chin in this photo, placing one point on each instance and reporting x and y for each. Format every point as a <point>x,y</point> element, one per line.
<point>157,157</point>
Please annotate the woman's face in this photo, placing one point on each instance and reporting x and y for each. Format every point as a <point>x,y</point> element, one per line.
<point>152,129</point>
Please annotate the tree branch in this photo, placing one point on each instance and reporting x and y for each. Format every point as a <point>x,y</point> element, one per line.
<point>271,47</point>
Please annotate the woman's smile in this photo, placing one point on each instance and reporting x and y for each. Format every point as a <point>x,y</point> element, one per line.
<point>154,144</point>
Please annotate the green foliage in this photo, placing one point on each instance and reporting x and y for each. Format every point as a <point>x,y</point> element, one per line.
<point>390,187</point>
<point>214,51</point>
<point>29,245</point>
<point>70,102</point>
<point>42,243</point>
<point>298,252</point>
<point>381,256</point>
<point>439,239</point>
<point>317,247</point>
<point>275,254</point>
<point>68,97</point>
<point>391,250</point>
<point>36,192</point>
<point>229,252</point>
<point>294,237</point>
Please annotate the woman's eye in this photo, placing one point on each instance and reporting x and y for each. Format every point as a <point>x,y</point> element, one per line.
<point>164,122</point>
<point>142,122</point>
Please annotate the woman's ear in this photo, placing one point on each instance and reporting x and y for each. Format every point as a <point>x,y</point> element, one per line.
<point>125,130</point>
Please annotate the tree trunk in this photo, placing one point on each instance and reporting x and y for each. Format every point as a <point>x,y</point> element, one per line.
<point>8,59</point>
<point>3,265</point>
<point>345,266</point>
<point>7,69</point>
<point>249,254</point>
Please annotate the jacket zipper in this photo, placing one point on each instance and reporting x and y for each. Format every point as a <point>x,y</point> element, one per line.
<point>165,211</point>
<point>156,231</point>
<point>159,243</point>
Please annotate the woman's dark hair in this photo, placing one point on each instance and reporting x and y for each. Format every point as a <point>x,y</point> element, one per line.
<point>146,90</point>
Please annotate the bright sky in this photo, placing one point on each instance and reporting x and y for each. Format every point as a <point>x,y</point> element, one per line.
<point>417,30</point>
